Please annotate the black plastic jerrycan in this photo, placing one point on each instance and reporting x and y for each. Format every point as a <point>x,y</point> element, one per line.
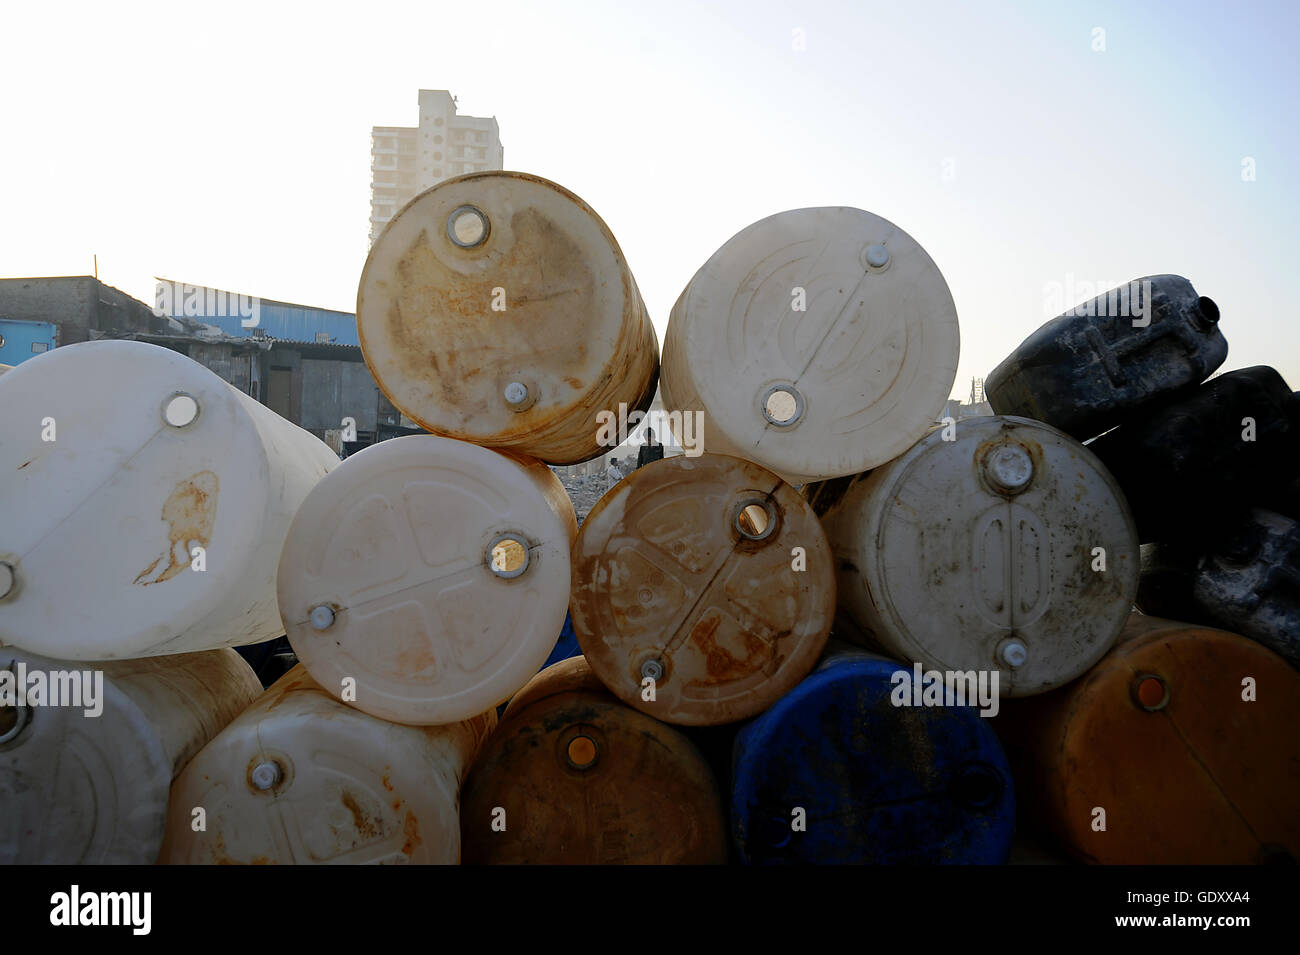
<point>1286,500</point>
<point>1193,465</point>
<point>1083,371</point>
<point>1246,581</point>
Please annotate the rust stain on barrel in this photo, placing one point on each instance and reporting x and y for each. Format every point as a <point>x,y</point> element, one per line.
<point>442,316</point>
<point>190,512</point>
<point>721,665</point>
<point>363,824</point>
<point>411,830</point>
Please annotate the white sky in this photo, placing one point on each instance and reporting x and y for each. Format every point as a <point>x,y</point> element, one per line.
<point>228,144</point>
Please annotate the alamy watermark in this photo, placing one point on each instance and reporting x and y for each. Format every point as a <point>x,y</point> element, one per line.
<point>946,688</point>
<point>21,687</point>
<point>686,426</point>
<point>174,299</point>
<point>1100,299</point>
<point>131,909</point>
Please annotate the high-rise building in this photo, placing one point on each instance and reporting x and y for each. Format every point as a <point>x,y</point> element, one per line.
<point>407,160</point>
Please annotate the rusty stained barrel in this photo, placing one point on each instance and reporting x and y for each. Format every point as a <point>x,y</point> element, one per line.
<point>708,575</point>
<point>431,573</point>
<point>498,308</point>
<point>93,789</point>
<point>301,779</point>
<point>119,460</point>
<point>574,776</point>
<point>1159,737</point>
<point>982,553</point>
<point>816,342</point>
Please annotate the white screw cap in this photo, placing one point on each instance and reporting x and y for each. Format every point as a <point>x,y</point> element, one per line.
<point>1014,654</point>
<point>322,617</point>
<point>1009,467</point>
<point>877,256</point>
<point>265,775</point>
<point>516,394</point>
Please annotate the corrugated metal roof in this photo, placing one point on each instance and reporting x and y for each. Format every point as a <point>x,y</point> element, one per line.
<point>284,321</point>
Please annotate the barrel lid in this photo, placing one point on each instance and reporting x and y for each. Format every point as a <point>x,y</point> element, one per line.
<point>79,789</point>
<point>432,572</point>
<point>579,778</point>
<point>821,341</point>
<point>877,780</point>
<point>105,490</point>
<point>491,306</point>
<point>1006,521</point>
<point>686,572</point>
<point>299,778</point>
<point>1184,734</point>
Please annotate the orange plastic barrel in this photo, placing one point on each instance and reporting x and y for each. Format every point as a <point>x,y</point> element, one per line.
<point>573,776</point>
<point>1178,747</point>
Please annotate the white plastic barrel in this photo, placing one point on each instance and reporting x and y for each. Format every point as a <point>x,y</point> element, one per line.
<point>143,504</point>
<point>498,308</point>
<point>78,788</point>
<point>711,577</point>
<point>299,778</point>
<point>426,579</point>
<point>818,342</point>
<point>1009,548</point>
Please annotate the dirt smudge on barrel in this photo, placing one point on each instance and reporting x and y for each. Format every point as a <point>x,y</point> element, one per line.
<point>190,513</point>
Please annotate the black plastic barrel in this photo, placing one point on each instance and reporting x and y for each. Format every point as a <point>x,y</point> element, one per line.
<point>1193,466</point>
<point>1246,580</point>
<point>1083,371</point>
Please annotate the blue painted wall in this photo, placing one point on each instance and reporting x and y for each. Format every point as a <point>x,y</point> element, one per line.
<point>19,336</point>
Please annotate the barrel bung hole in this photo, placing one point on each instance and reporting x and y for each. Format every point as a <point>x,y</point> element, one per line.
<point>8,719</point>
<point>467,226</point>
<point>581,751</point>
<point>180,410</point>
<point>781,406</point>
<point>755,520</point>
<point>508,557</point>
<point>978,786</point>
<point>13,719</point>
<point>1152,693</point>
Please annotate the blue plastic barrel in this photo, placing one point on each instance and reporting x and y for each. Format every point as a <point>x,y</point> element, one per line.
<point>566,646</point>
<point>877,783</point>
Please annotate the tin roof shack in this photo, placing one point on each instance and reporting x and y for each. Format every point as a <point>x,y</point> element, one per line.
<point>81,306</point>
<point>317,386</point>
<point>301,361</point>
<point>238,315</point>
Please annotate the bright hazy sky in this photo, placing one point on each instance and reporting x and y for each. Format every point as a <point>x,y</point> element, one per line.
<point>228,144</point>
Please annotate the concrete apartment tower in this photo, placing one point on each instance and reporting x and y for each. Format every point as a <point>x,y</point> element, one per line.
<point>406,160</point>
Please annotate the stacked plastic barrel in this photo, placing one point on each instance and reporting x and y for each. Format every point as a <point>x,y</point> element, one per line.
<point>1178,746</point>
<point>808,639</point>
<point>143,502</point>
